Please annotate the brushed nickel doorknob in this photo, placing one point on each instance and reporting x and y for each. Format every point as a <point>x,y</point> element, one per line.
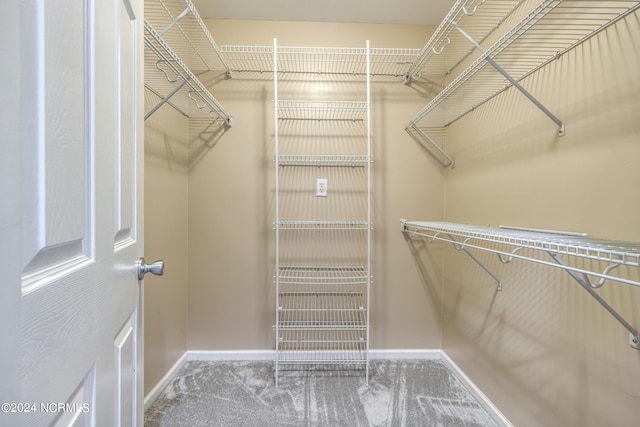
<point>156,268</point>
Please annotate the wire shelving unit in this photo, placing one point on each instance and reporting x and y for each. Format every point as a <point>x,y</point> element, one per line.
<point>178,47</point>
<point>551,248</point>
<point>549,30</point>
<point>322,293</point>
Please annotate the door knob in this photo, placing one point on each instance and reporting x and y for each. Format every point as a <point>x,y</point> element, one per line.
<point>156,267</point>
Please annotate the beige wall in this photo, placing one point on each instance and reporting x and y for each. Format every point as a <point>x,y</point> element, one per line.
<point>543,349</point>
<point>231,198</point>
<point>166,232</point>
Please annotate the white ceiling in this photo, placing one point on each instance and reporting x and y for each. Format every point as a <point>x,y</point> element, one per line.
<point>420,12</point>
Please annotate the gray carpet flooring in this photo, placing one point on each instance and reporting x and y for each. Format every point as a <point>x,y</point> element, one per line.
<point>399,393</point>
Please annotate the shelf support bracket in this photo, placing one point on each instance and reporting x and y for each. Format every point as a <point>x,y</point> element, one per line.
<point>634,340</point>
<point>165,99</point>
<point>175,21</point>
<point>433,143</point>
<point>460,247</point>
<point>511,80</point>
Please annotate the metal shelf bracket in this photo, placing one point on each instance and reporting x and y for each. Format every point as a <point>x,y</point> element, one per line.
<point>165,99</point>
<point>586,284</point>
<point>511,80</point>
<point>174,22</point>
<point>427,138</point>
<point>459,246</point>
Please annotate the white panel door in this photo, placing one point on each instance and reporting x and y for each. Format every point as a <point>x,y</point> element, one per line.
<point>71,230</point>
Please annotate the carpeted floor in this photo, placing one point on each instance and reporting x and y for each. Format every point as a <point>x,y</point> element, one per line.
<point>400,393</point>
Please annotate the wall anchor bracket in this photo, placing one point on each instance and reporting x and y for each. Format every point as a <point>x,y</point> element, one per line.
<point>634,341</point>
<point>460,247</point>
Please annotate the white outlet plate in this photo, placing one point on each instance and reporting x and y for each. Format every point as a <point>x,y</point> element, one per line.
<point>321,187</point>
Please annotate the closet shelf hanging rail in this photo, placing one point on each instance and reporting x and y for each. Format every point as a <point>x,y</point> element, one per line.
<point>552,28</point>
<point>177,71</point>
<point>529,245</point>
<point>183,29</point>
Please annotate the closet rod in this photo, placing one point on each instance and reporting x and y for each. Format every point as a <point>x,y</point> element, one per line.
<point>511,80</point>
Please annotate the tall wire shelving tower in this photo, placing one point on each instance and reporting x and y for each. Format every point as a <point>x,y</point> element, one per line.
<point>322,212</point>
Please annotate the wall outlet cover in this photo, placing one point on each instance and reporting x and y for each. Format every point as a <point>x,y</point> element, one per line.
<point>321,187</point>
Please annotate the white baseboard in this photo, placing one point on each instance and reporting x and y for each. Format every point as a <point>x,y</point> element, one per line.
<point>158,388</point>
<point>487,404</point>
<point>268,355</point>
<point>209,355</point>
<point>404,354</point>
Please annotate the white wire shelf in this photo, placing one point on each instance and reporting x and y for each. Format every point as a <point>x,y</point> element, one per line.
<point>320,61</point>
<point>447,48</point>
<point>322,275</point>
<point>332,308</point>
<point>166,75</point>
<point>552,28</point>
<point>510,243</point>
<point>180,25</point>
<point>609,251</point>
<point>323,225</point>
<point>323,160</point>
<point>349,111</point>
